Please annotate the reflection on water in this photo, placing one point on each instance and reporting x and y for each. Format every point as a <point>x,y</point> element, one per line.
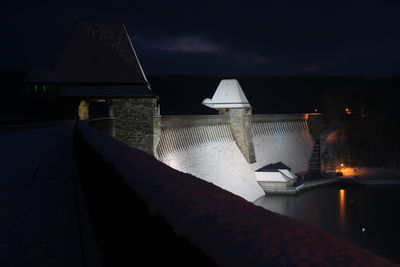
<point>342,210</point>
<point>365,215</point>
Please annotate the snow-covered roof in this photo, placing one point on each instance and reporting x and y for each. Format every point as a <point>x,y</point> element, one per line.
<point>228,95</point>
<point>280,175</point>
<point>274,172</point>
<point>274,167</point>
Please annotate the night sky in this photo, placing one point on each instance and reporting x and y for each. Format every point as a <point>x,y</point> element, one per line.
<point>219,38</point>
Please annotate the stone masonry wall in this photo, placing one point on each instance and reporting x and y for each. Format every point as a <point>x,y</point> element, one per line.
<point>156,133</point>
<point>240,123</point>
<point>134,122</point>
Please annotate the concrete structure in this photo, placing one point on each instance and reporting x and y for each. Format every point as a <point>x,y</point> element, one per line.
<point>228,149</point>
<point>205,147</point>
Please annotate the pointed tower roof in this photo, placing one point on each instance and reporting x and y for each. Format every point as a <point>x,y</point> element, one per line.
<point>229,94</point>
<point>99,60</point>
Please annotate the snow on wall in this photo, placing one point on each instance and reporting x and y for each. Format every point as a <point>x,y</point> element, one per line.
<point>183,138</point>
<point>210,153</point>
<point>286,141</point>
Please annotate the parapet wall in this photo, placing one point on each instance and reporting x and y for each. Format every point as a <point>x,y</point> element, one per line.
<point>277,117</point>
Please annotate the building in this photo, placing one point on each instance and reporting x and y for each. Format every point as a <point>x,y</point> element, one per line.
<point>99,78</point>
<point>275,176</point>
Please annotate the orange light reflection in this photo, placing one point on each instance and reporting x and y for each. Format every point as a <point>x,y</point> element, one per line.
<point>342,210</point>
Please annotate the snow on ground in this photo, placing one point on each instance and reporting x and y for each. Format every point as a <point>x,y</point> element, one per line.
<point>233,232</point>
<point>218,162</point>
<point>39,224</point>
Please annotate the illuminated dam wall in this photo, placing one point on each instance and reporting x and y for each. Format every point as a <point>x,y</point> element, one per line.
<point>205,147</point>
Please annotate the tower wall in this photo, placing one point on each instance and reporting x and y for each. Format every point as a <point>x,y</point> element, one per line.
<point>134,122</point>
<point>316,124</point>
<point>240,124</point>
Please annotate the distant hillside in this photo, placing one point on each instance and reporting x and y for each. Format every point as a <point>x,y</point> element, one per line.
<point>181,94</point>
<point>184,94</point>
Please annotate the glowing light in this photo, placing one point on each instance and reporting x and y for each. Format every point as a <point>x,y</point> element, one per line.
<point>341,165</point>
<point>347,111</point>
<point>83,110</point>
<point>316,110</point>
<point>347,171</point>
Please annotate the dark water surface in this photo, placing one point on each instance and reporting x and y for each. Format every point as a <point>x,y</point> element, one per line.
<point>367,216</point>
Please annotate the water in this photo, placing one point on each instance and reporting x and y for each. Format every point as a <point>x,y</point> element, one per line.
<point>367,216</point>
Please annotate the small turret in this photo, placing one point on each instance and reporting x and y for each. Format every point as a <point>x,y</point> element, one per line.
<point>229,95</point>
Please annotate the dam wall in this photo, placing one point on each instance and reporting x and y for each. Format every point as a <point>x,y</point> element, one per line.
<point>284,138</point>
<point>205,146</point>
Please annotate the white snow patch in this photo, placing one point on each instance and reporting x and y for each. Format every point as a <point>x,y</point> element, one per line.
<point>220,163</point>
<point>292,148</point>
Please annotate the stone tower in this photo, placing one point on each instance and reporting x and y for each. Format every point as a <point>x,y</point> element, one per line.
<point>100,69</point>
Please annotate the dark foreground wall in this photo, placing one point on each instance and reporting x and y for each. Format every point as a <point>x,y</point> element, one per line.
<point>142,209</point>
<point>127,234</point>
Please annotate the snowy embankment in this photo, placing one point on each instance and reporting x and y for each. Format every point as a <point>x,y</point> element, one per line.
<point>230,230</point>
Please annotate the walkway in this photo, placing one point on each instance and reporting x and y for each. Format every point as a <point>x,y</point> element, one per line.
<point>40,209</point>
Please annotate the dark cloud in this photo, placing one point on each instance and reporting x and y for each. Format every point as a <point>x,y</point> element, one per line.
<point>220,37</point>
